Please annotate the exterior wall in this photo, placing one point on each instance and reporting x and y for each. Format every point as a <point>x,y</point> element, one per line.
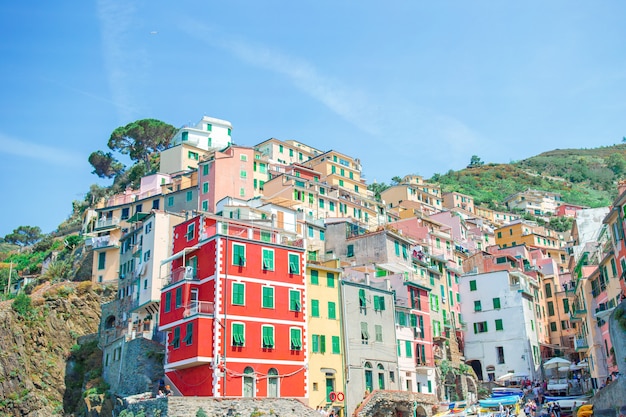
<point>518,332</point>
<point>215,363</point>
<point>181,157</point>
<point>458,200</point>
<point>208,133</point>
<point>380,356</point>
<point>326,362</point>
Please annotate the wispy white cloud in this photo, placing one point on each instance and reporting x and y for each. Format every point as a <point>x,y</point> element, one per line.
<point>49,154</point>
<point>353,105</point>
<point>115,20</point>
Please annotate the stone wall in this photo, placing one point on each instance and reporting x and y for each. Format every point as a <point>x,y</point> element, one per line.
<point>236,407</point>
<point>142,366</point>
<point>394,403</point>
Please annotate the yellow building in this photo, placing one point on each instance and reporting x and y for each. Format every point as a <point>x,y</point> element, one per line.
<point>414,189</point>
<point>326,347</point>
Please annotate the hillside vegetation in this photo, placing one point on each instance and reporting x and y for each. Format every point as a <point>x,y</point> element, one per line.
<point>582,176</point>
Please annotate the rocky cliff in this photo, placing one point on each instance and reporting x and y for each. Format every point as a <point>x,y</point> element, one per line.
<point>48,352</point>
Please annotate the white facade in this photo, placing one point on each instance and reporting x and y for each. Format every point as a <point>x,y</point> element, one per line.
<point>208,133</point>
<point>501,333</point>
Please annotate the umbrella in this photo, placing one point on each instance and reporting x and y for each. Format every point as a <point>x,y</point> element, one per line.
<point>556,363</point>
<point>505,377</point>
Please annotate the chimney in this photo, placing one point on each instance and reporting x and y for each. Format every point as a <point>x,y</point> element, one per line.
<point>367,278</point>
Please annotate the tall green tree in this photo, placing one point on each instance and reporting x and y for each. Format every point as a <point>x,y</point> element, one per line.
<point>104,164</point>
<point>142,138</point>
<point>24,235</point>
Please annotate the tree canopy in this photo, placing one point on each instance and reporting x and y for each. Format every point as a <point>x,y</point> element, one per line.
<point>141,138</point>
<point>24,235</point>
<point>105,165</point>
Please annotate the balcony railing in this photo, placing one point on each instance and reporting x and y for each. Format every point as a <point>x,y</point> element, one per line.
<point>580,344</point>
<point>101,242</point>
<point>183,273</point>
<point>199,307</point>
<point>107,222</point>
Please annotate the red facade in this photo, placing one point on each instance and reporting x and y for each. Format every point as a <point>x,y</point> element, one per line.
<point>234,311</point>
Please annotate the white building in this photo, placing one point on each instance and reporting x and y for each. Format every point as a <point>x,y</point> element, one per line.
<point>208,133</point>
<point>498,309</point>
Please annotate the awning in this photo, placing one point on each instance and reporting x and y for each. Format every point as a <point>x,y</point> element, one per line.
<point>137,217</point>
<point>179,254</point>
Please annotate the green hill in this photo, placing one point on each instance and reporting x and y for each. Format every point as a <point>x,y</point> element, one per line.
<point>587,177</point>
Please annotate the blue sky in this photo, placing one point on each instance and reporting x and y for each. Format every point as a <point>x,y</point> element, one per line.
<point>406,86</point>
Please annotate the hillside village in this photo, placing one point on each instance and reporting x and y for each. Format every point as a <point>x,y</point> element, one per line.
<point>273,271</point>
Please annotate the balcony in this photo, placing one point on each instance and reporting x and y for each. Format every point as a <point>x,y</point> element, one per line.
<point>182,273</point>
<point>107,223</point>
<point>104,242</point>
<point>580,344</point>
<point>252,233</point>
<point>202,308</point>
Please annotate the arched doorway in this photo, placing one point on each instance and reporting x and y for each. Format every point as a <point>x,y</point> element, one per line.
<point>369,377</point>
<point>248,382</point>
<point>381,376</point>
<point>420,411</point>
<point>477,367</point>
<point>272,383</point>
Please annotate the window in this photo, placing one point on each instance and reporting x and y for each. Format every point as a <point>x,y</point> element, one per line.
<point>553,326</point>
<point>409,348</point>
<point>239,255</point>
<point>477,306</point>
<point>205,187</point>
<point>191,231</point>
<point>496,303</point>
<point>314,277</point>
<point>378,330</point>
<point>315,308</point>
<point>102,256</point>
<point>500,354</point>
<point>238,291</point>
<point>315,343</point>
<point>332,310</point>
<point>268,337</point>
<point>148,228</point>
<point>362,303</point>
<point>205,169</point>
<point>189,334</point>
<point>168,301</point>
<point>550,308</point>
<point>205,205</point>
<point>294,300</point>
<point>499,325</point>
<point>243,174</point>
<point>379,303</point>
<point>179,297</point>
<point>365,336</point>
<point>350,253</point>
<point>330,280</point>
<point>170,201</point>
<point>335,345</point>
<point>125,213</point>
<point>146,256</point>
<point>238,332</point>
<point>480,327</point>
<point>268,259</point>
<point>472,285</point>
<point>268,297</point>
<point>548,290</point>
<point>295,336</point>
<point>176,338</point>
<point>565,305</point>
<point>189,195</point>
<point>294,263</point>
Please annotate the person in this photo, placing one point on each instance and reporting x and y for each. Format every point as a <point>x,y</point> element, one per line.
<point>501,408</point>
<point>167,391</point>
<point>556,409</point>
<point>160,394</point>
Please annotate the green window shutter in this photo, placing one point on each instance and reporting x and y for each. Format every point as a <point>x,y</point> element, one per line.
<point>496,303</point>
<point>168,301</point>
<point>396,246</point>
<point>409,348</point>
<point>315,343</point>
<point>477,306</point>
<point>315,308</point>
<point>378,329</point>
<point>189,334</point>
<point>268,337</point>
<point>238,334</point>
<point>413,320</point>
<point>314,277</point>
<point>268,260</point>
<point>401,319</point>
<point>472,285</point>
<point>266,236</point>
<point>350,252</point>
<point>294,263</point>
<point>399,348</point>
<point>322,344</point>
<point>294,300</point>
<point>268,297</point>
<point>296,339</point>
<point>362,298</point>
<point>238,294</point>
<point>239,255</point>
<point>176,338</point>
<point>336,346</point>
<point>332,313</point>
<point>475,328</point>
<point>179,297</point>
<point>205,169</point>
<point>330,280</point>
<point>499,324</point>
<point>566,305</point>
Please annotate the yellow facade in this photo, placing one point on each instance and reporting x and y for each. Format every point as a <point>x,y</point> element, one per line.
<point>326,347</point>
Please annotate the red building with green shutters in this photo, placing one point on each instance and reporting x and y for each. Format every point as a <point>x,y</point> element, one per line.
<point>234,310</point>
